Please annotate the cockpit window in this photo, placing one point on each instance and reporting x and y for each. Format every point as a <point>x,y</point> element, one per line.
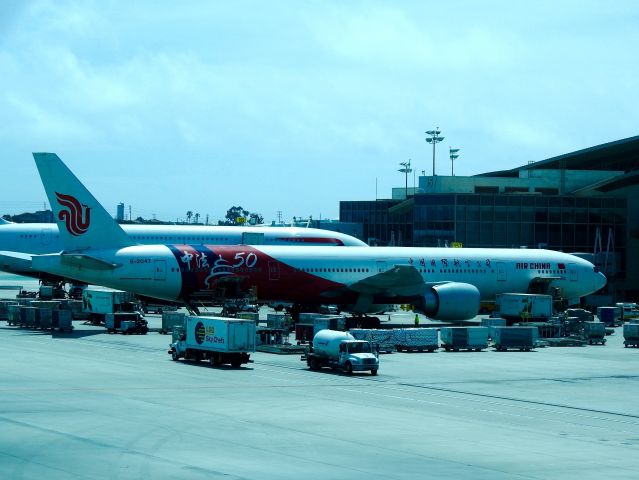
<point>596,269</point>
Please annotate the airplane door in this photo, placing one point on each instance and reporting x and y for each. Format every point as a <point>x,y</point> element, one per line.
<point>159,270</point>
<point>501,272</point>
<point>252,238</point>
<point>45,236</point>
<point>273,270</point>
<point>381,267</point>
<point>572,271</point>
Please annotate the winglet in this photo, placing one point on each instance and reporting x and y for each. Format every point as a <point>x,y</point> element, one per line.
<point>83,223</point>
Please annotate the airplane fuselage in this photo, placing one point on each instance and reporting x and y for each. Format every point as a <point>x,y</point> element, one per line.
<point>323,274</point>
<point>42,238</point>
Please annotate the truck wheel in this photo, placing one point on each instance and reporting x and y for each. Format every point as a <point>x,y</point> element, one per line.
<point>348,368</point>
<point>373,372</point>
<point>236,363</point>
<point>313,364</point>
<point>174,356</point>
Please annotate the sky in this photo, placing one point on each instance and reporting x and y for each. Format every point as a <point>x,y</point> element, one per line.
<point>292,106</point>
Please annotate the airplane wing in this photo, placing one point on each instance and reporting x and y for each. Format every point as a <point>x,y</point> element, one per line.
<point>15,261</point>
<point>87,262</point>
<point>51,262</point>
<point>397,281</point>
<point>400,280</point>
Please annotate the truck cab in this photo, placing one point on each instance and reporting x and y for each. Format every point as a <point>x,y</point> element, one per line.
<point>357,355</point>
<point>339,350</point>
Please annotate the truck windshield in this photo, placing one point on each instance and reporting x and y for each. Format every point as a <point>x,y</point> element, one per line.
<point>359,347</point>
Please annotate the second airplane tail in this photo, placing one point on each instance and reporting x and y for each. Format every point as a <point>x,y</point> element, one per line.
<point>83,223</point>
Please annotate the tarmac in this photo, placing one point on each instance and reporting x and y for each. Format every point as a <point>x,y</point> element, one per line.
<point>90,405</point>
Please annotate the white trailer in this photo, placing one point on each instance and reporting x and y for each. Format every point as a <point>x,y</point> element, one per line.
<point>464,338</point>
<point>340,351</point>
<point>631,335</point>
<point>522,338</point>
<point>97,302</point>
<point>524,307</point>
<point>419,339</point>
<point>216,339</point>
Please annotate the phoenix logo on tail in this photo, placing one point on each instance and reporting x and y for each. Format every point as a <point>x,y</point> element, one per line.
<point>77,218</point>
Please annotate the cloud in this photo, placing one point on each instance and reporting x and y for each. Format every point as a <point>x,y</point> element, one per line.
<point>279,96</point>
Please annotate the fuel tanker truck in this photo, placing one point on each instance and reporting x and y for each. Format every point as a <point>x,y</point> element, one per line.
<point>340,351</point>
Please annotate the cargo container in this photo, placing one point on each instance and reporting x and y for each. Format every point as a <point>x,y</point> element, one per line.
<point>629,311</point>
<point>28,317</point>
<point>464,338</point>
<point>216,339</point>
<point>45,317</point>
<point>594,332</point>
<point>99,301</point>
<point>522,338</point>
<point>631,335</point>
<point>524,307</point>
<point>14,317</point>
<point>279,321</point>
<point>105,300</point>
<point>62,320</point>
<point>340,350</point>
<point>416,339</point>
<point>4,308</point>
<point>611,316</point>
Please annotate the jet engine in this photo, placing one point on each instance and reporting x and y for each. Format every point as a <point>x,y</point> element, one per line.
<point>451,301</point>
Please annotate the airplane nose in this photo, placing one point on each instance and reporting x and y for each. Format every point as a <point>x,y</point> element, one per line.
<point>601,280</point>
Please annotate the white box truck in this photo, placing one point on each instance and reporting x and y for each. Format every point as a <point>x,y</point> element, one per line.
<point>524,307</point>
<point>216,339</point>
<point>97,302</point>
<point>340,350</point>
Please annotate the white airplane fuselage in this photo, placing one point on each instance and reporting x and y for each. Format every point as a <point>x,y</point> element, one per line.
<point>323,274</point>
<point>42,238</point>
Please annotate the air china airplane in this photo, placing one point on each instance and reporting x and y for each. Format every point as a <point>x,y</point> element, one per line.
<point>39,238</point>
<point>445,284</point>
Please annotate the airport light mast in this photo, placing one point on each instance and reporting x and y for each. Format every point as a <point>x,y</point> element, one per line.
<point>434,138</point>
<point>405,170</point>
<point>453,156</point>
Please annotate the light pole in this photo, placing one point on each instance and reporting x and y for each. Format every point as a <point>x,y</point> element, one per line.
<point>434,138</point>
<point>405,170</point>
<point>453,156</point>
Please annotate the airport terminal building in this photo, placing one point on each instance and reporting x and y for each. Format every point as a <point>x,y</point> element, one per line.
<point>584,202</point>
